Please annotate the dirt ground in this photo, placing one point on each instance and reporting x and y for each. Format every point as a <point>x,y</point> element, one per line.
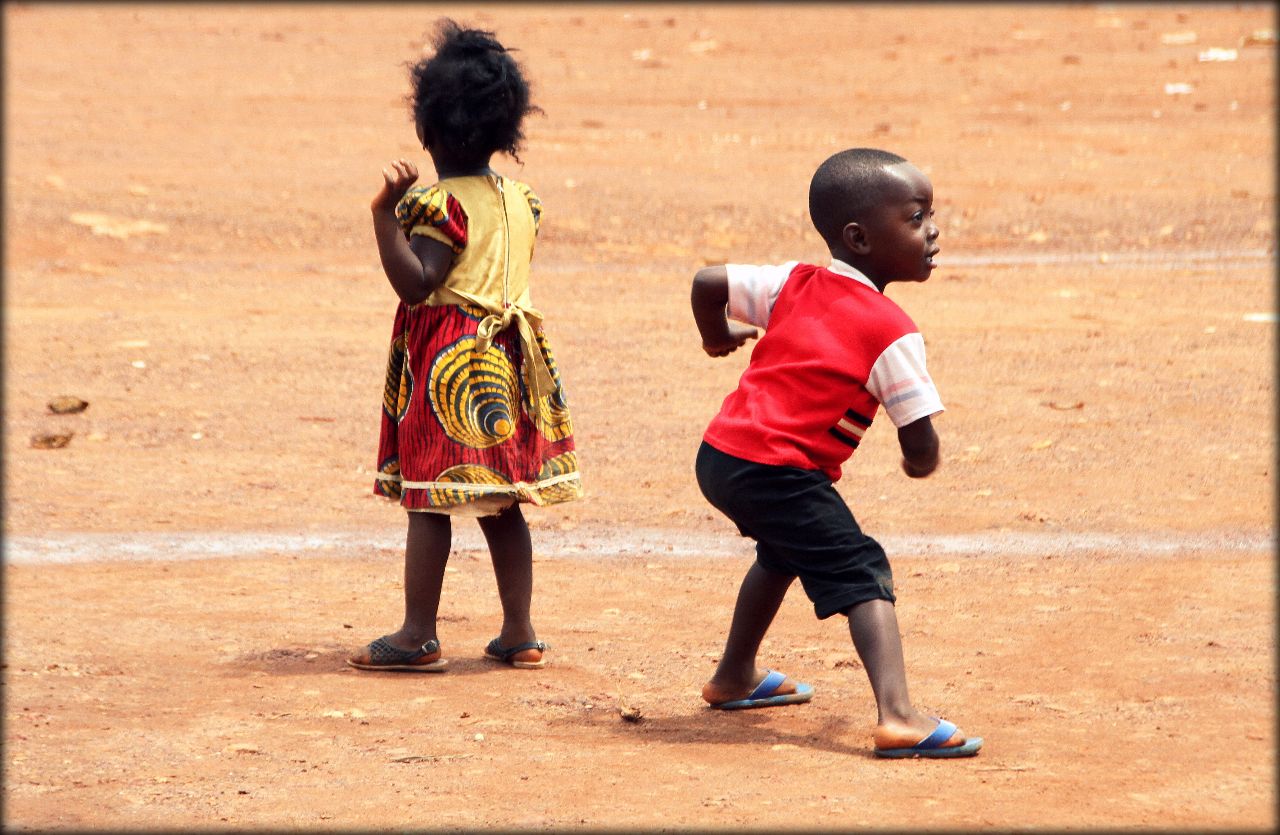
<point>1088,581</point>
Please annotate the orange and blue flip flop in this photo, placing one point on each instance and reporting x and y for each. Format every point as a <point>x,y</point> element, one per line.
<point>931,746</point>
<point>766,695</point>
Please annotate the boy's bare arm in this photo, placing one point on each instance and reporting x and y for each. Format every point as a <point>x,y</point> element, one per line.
<point>709,298</point>
<point>415,268</point>
<point>919,444</point>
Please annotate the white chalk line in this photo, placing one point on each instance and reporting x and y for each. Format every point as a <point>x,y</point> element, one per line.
<point>1260,259</point>
<point>65,548</point>
<point>1166,259</point>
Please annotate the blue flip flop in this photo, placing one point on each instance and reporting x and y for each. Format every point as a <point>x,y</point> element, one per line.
<point>764,696</point>
<point>929,747</point>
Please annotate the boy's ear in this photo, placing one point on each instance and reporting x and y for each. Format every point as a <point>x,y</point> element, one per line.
<point>855,240</point>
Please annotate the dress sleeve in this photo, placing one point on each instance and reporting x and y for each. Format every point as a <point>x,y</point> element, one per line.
<point>535,205</point>
<point>434,212</point>
<point>753,290</point>
<point>900,381</point>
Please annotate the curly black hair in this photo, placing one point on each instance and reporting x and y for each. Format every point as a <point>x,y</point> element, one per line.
<point>470,97</point>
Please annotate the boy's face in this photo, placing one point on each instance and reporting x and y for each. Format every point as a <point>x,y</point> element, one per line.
<point>898,238</point>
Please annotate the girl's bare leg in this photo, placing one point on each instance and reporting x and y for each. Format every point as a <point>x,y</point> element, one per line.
<point>512,553</point>
<point>426,554</point>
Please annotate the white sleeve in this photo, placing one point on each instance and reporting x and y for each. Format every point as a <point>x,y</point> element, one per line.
<point>901,383</point>
<point>753,290</point>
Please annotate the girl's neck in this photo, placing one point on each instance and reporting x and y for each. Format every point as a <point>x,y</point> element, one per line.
<point>445,172</point>
<point>446,168</point>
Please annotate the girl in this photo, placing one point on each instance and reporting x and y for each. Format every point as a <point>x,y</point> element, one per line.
<point>474,421</point>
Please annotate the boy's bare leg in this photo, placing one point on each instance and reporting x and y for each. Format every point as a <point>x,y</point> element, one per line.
<point>874,627</point>
<point>512,553</point>
<point>426,553</point>
<point>759,598</point>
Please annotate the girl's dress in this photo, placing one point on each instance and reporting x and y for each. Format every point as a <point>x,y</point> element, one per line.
<point>474,416</point>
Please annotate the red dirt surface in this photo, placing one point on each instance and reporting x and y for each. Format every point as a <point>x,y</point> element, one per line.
<point>1087,582</point>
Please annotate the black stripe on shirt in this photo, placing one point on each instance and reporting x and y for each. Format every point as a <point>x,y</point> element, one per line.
<point>840,436</point>
<point>857,418</point>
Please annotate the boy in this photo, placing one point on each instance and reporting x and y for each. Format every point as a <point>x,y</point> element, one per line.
<point>835,350</point>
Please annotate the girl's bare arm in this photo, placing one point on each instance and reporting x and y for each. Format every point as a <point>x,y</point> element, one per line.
<point>415,267</point>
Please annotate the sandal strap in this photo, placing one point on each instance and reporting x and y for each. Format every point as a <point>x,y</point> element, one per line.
<point>497,649</point>
<point>382,652</point>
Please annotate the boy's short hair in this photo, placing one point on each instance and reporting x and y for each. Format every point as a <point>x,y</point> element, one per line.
<point>845,186</point>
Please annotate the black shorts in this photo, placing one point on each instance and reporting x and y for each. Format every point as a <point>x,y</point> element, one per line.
<point>801,526</point>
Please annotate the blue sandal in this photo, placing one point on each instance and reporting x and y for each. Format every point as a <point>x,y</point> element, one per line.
<point>495,652</point>
<point>931,746</point>
<point>381,655</point>
<point>765,694</point>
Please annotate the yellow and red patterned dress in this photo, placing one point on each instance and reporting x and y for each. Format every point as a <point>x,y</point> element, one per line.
<point>474,416</point>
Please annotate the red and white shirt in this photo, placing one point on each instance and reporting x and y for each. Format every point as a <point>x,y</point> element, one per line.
<point>835,350</point>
